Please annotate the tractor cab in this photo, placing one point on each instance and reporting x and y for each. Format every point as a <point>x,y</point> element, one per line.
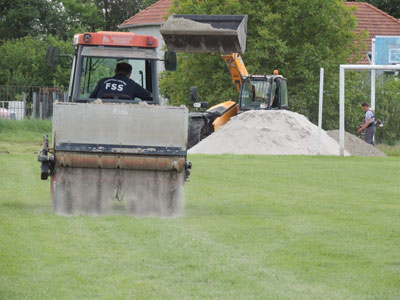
<point>97,54</point>
<point>263,92</point>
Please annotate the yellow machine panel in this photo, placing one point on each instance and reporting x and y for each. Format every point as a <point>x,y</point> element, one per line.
<point>227,109</point>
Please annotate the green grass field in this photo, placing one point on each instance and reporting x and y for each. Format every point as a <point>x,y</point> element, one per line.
<point>254,227</point>
<point>390,150</point>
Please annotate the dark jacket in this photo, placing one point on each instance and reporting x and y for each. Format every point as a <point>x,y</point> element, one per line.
<point>122,86</point>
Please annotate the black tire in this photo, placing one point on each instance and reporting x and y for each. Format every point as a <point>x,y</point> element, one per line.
<point>196,131</point>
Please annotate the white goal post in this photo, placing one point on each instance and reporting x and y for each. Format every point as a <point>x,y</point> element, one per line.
<point>343,68</point>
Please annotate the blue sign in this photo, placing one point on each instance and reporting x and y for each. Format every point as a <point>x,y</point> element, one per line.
<point>387,50</point>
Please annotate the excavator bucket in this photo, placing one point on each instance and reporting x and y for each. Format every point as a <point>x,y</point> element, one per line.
<point>118,158</point>
<point>205,33</point>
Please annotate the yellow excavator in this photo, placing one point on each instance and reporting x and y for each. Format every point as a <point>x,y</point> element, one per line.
<point>226,35</point>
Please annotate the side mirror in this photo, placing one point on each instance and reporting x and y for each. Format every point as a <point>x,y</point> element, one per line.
<point>52,56</point>
<point>170,60</point>
<point>202,104</point>
<point>193,94</point>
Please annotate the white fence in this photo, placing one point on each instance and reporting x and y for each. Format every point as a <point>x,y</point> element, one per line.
<point>13,110</point>
<point>18,103</point>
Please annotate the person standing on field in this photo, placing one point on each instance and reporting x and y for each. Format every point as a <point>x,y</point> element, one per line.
<point>368,124</point>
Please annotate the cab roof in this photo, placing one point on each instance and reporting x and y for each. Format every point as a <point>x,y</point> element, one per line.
<point>263,76</point>
<point>115,39</point>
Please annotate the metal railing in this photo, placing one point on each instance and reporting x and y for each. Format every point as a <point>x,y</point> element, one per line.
<point>21,102</point>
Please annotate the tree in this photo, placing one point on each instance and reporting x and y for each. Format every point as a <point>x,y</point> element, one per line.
<point>63,18</point>
<point>20,18</point>
<point>81,16</point>
<point>27,17</point>
<point>295,36</point>
<point>392,7</point>
<point>114,12</point>
<point>388,110</point>
<point>23,62</point>
<point>27,27</point>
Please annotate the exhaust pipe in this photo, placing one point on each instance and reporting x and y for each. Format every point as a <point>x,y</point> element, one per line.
<point>46,161</point>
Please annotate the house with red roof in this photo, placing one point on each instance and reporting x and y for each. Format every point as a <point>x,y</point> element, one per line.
<point>371,19</point>
<point>150,16</point>
<point>375,21</point>
<point>148,22</point>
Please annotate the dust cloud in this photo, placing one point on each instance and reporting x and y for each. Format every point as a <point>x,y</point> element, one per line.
<point>78,191</point>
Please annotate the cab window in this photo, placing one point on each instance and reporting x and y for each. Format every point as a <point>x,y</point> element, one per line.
<point>96,68</point>
<point>254,94</point>
<point>284,94</point>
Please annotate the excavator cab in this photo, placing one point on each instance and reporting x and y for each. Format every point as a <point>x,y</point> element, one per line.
<point>263,92</point>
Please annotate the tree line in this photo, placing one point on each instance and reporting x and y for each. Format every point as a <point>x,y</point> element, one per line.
<point>297,37</point>
<point>28,27</point>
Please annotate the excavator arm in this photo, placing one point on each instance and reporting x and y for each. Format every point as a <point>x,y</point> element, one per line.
<point>236,68</point>
<point>223,34</point>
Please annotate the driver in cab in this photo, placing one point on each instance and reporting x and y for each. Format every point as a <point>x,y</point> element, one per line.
<point>120,86</point>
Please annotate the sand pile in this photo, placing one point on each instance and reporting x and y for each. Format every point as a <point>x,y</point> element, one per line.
<point>356,146</point>
<point>181,25</point>
<point>277,132</point>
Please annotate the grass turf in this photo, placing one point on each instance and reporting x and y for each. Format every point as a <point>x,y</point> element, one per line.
<point>25,131</point>
<point>390,150</point>
<point>254,228</point>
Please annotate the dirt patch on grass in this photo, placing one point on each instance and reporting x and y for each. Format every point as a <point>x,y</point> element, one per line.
<point>355,145</point>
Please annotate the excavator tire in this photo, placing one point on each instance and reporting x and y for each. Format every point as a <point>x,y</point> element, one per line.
<point>196,131</point>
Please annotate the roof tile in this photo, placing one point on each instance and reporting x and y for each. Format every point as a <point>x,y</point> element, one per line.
<point>375,22</point>
<point>154,14</point>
